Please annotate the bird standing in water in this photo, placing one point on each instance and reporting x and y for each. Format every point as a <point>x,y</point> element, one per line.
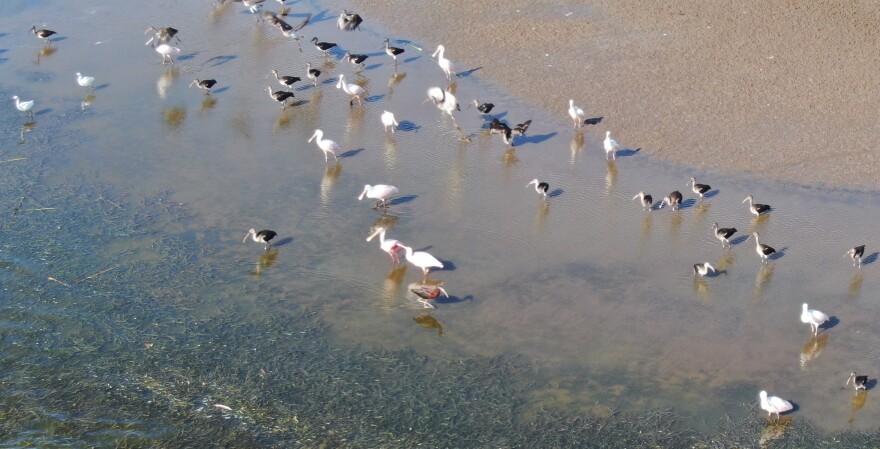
<point>205,85</point>
<point>390,246</point>
<point>280,96</point>
<point>388,120</point>
<point>540,187</point>
<point>312,74</point>
<point>699,189</point>
<point>859,382</point>
<point>422,260</point>
<point>576,114</point>
<point>42,34</point>
<point>703,269</point>
<point>261,236</point>
<point>85,81</point>
<point>765,251</point>
<point>326,145</point>
<point>381,192</point>
<point>774,404</point>
<point>755,208</point>
<point>24,106</point>
<point>673,200</point>
<point>646,200</point>
<point>814,318</point>
<point>856,255</point>
<point>611,146</point>
<point>445,64</point>
<point>723,234</point>
<point>392,51</point>
<point>356,92</point>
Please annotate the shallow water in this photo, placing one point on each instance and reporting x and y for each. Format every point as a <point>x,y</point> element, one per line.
<point>591,291</point>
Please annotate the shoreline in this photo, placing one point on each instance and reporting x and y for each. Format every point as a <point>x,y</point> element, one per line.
<point>771,90</point>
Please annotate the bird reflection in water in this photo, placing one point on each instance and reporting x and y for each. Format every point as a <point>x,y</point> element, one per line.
<point>774,430</point>
<point>355,119</point>
<point>577,144</point>
<point>813,349</point>
<point>174,116</point>
<point>509,159</point>
<point>429,322</point>
<point>701,287</point>
<point>725,261</point>
<point>283,121</point>
<point>87,102</point>
<point>610,177</point>
<point>266,260</point>
<point>858,401</point>
<point>543,212</point>
<point>207,104</point>
<point>331,175</point>
<point>392,283</point>
<point>315,100</point>
<point>855,285</point>
<point>647,224</point>
<point>758,222</point>
<point>762,279</point>
<point>386,221</point>
<point>395,79</point>
<point>390,152</point>
<point>166,79</point>
<point>701,209</point>
<point>26,127</point>
<point>45,52</point>
<point>675,222</point>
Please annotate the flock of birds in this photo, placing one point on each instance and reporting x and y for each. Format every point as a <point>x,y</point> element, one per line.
<point>446,101</point>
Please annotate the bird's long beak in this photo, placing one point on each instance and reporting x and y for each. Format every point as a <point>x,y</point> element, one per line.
<point>444,291</point>
<point>745,200</point>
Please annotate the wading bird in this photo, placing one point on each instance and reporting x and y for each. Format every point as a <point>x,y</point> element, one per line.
<point>389,121</point>
<point>673,200</point>
<point>252,5</point>
<point>859,382</point>
<point>290,31</point>
<point>168,52</point>
<point>429,291</point>
<point>444,100</point>
<point>765,251</point>
<point>484,108</point>
<point>379,192</point>
<point>356,92</point>
<point>576,114</point>
<point>856,254</point>
<point>703,269</point>
<point>421,259</point>
<point>326,145</point>
<point>774,404</point>
<point>756,208</point>
<point>646,200</point>
<point>312,74</point>
<point>280,96</point>
<point>723,234</point>
<point>499,127</point>
<point>445,64</point>
<point>162,35</point>
<point>699,189</point>
<point>610,146</point>
<point>205,85</point>
<point>85,81</point>
<point>356,59</point>
<point>348,21</point>
<point>390,246</point>
<point>814,318</point>
<point>261,236</point>
<point>540,187</point>
<point>521,128</point>
<point>323,46</point>
<point>286,81</point>
<point>392,51</point>
<point>42,34</point>
<point>24,106</point>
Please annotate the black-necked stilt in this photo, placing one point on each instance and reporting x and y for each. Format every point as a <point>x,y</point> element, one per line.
<point>445,64</point>
<point>610,146</point>
<point>646,200</point>
<point>286,80</point>
<point>389,121</point>
<point>280,96</point>
<point>24,106</point>
<point>392,51</point>
<point>703,269</point>
<point>381,192</point>
<point>429,291</point>
<point>484,108</point>
<point>348,21</point>
<point>323,46</point>
<point>814,318</point>
<point>756,208</point>
<point>540,187</point>
<point>261,236</point>
<point>326,145</point>
<point>723,234</point>
<point>312,74</point>
<point>576,114</point>
<point>763,250</point>
<point>673,200</point>
<point>774,404</point>
<point>856,254</point>
<point>521,128</point>
<point>167,51</point>
<point>85,81</point>
<point>390,246</point>
<point>356,59</point>
<point>859,382</point>
<point>699,189</point>
<point>42,34</point>
<point>162,35</point>
<point>355,91</point>
<point>421,259</point>
<point>205,85</point>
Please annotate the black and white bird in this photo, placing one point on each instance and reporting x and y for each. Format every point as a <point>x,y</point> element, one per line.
<point>24,106</point>
<point>723,234</point>
<point>324,47</point>
<point>521,128</point>
<point>540,187</point>
<point>312,74</point>
<point>673,200</point>
<point>755,208</point>
<point>290,31</point>
<point>286,80</point>
<point>280,96</point>
<point>646,200</point>
<point>765,251</point>
<point>205,85</point>
<point>703,269</point>
<point>261,236</point>
<point>498,127</point>
<point>42,34</point>
<point>699,189</point>
<point>392,51</point>
<point>348,21</point>
<point>356,59</point>
<point>856,255</point>
<point>162,35</point>
<point>859,382</point>
<point>484,108</point>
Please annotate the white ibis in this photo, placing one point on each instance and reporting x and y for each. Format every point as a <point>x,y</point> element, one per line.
<point>280,96</point>
<point>540,187</point>
<point>774,404</point>
<point>261,236</point>
<point>379,192</point>
<point>856,254</point>
<point>576,114</point>
<point>24,106</point>
<point>445,64</point>
<point>356,59</point>
<point>646,200</point>
<point>205,85</point>
<point>388,120</point>
<point>421,259</point>
<point>859,382</point>
<point>348,21</point>
<point>326,145</point>
<point>42,34</point>
<point>723,234</point>
<point>85,81</point>
<point>355,91</point>
<point>287,80</point>
<point>673,200</point>
<point>323,46</point>
<point>756,208</point>
<point>611,146</point>
<point>703,269</point>
<point>390,246</point>
<point>163,35</point>
<point>699,189</point>
<point>763,250</point>
<point>814,318</point>
<point>168,52</point>
<point>392,51</point>
<point>312,74</point>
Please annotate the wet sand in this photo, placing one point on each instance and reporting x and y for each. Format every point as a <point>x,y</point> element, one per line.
<point>780,90</point>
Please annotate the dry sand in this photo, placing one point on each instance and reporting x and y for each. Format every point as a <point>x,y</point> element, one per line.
<point>782,90</point>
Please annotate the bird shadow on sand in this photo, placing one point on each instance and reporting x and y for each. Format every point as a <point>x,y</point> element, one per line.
<point>452,299</point>
<point>555,192</point>
<point>737,240</point>
<point>779,254</point>
<point>219,60</point>
<point>282,242</point>
<point>188,56</point>
<point>407,126</point>
<point>870,259</point>
<point>593,121</point>
<point>628,152</point>
<point>374,98</point>
<point>534,139</point>
<point>401,200</point>
<point>832,321</point>
<point>467,72</point>
<point>220,90</point>
<point>350,153</point>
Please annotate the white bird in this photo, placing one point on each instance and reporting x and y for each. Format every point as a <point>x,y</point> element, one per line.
<point>390,246</point>
<point>356,92</point>
<point>444,100</point>
<point>379,192</point>
<point>610,146</point>
<point>774,404</point>
<point>444,63</point>
<point>814,318</point>
<point>421,259</point>
<point>168,52</point>
<point>24,106</point>
<point>326,145</point>
<point>388,120</point>
<point>703,269</point>
<point>576,114</point>
<point>85,81</point>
